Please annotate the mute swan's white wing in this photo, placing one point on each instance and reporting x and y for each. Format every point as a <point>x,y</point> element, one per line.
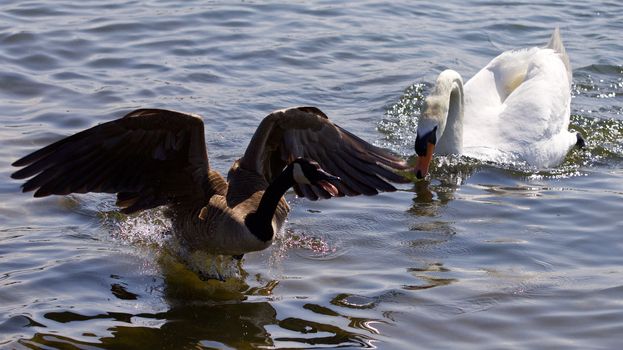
<point>534,123</point>
<point>486,97</point>
<point>517,107</point>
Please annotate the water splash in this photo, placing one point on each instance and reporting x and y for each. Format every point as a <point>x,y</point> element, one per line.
<point>150,227</point>
<point>313,247</point>
<point>152,232</point>
<point>399,125</point>
<point>205,265</point>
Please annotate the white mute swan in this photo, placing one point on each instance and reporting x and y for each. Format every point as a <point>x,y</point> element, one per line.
<point>516,109</point>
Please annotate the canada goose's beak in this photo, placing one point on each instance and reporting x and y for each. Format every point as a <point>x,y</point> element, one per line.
<point>423,162</point>
<point>323,182</point>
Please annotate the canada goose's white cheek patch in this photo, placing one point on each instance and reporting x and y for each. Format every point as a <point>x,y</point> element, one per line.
<point>299,176</point>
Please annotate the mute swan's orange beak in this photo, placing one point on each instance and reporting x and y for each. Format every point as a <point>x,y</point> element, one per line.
<point>423,162</point>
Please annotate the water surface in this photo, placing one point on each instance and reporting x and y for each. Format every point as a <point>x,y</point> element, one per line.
<point>481,256</point>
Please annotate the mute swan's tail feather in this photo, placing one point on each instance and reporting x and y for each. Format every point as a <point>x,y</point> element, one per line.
<point>555,43</point>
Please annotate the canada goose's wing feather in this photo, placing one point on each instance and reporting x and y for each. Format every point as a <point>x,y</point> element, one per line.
<point>307,132</point>
<point>149,157</point>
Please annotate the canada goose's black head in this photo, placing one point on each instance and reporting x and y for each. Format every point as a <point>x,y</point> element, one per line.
<point>308,172</point>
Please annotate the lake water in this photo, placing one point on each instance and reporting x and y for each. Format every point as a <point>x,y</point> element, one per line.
<point>480,257</point>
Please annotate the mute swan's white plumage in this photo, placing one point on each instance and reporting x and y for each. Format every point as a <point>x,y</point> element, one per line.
<point>516,108</point>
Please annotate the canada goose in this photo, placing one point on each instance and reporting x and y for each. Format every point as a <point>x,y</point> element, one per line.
<point>517,108</point>
<point>154,157</point>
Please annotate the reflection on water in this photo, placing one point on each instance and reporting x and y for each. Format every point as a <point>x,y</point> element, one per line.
<point>182,326</point>
<point>430,197</point>
<point>207,313</point>
<point>319,334</point>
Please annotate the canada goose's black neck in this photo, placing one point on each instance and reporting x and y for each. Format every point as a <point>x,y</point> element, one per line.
<point>260,222</point>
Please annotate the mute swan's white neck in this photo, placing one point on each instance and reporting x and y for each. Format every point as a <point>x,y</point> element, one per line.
<point>444,109</point>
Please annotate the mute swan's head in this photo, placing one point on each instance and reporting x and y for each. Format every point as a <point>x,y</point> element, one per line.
<point>431,125</point>
<point>443,107</point>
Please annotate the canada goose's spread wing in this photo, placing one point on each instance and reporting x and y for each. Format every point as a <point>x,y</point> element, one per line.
<point>150,157</point>
<point>307,132</point>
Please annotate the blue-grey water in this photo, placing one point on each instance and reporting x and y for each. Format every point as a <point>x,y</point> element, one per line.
<point>480,257</point>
